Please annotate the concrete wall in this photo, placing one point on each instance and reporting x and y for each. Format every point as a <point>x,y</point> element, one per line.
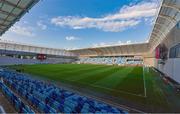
<point>149,61</point>
<point>172,65</point>
<point>172,68</point>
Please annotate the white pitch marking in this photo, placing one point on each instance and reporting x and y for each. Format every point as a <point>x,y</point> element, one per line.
<point>139,95</point>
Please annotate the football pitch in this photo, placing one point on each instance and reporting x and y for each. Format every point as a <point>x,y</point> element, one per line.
<point>137,86</point>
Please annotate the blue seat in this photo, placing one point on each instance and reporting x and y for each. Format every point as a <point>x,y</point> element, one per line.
<point>18,104</point>
<point>41,106</point>
<point>55,105</point>
<point>67,109</point>
<point>24,110</point>
<point>50,99</point>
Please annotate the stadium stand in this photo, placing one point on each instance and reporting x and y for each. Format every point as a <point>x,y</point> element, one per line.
<point>112,60</point>
<point>48,98</point>
<point>17,103</point>
<point>6,60</point>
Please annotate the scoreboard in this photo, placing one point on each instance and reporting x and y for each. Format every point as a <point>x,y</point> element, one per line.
<point>41,57</point>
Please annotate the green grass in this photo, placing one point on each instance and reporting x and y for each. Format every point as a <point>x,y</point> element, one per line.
<point>123,83</point>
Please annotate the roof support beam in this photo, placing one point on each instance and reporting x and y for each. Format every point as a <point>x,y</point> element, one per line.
<point>2,19</point>
<point>3,25</point>
<point>171,19</point>
<point>1,29</point>
<point>159,31</point>
<point>171,6</point>
<point>8,13</point>
<point>11,4</point>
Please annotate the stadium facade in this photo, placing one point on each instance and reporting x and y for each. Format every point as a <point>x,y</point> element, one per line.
<point>161,51</point>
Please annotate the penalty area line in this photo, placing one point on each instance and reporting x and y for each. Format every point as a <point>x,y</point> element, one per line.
<point>119,91</point>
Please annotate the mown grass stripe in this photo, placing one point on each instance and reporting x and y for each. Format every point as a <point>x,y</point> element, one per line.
<point>114,79</point>
<point>94,78</point>
<point>90,73</point>
<point>133,82</point>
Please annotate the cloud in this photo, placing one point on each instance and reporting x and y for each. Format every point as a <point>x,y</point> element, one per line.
<point>71,38</point>
<point>41,25</point>
<point>150,21</point>
<point>21,30</point>
<point>128,16</point>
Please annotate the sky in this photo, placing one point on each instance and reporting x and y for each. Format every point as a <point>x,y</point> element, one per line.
<point>74,24</point>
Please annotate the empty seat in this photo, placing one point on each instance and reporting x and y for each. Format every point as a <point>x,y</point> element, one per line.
<point>18,104</point>
<point>48,98</point>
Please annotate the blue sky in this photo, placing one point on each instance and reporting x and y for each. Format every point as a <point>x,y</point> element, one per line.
<point>71,24</point>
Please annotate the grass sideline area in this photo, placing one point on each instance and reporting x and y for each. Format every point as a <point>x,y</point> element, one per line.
<point>138,85</point>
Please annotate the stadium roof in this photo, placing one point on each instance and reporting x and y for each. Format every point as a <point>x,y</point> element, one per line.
<point>168,17</point>
<point>11,11</point>
<point>128,49</point>
<point>10,47</point>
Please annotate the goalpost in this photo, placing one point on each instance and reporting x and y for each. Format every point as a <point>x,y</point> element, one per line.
<point>144,80</point>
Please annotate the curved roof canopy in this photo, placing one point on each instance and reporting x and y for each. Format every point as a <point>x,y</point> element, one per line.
<point>168,17</point>
<point>11,11</point>
<point>129,49</point>
<point>17,48</point>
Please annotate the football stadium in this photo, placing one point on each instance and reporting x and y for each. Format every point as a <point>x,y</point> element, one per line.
<point>42,73</point>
